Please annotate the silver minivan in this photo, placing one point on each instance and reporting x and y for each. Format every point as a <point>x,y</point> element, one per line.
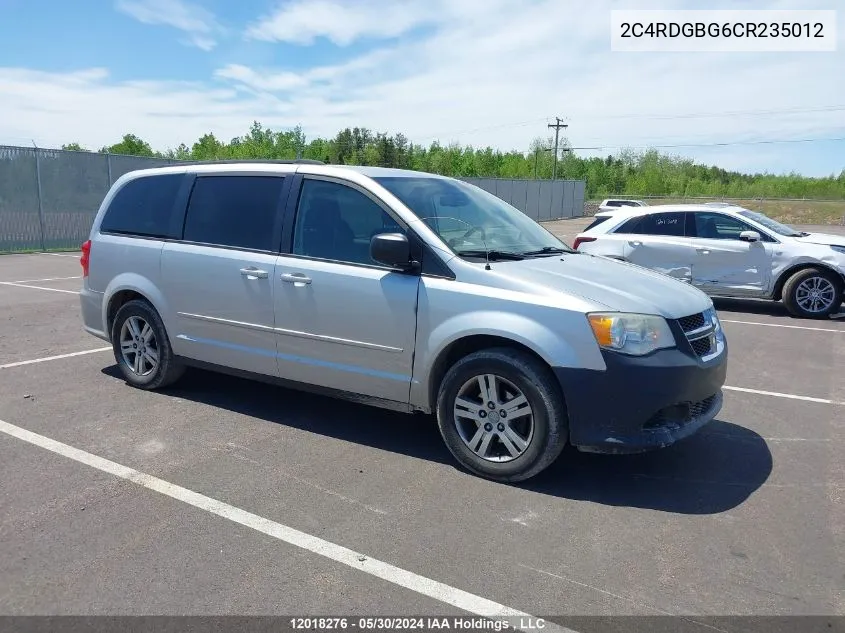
<point>404,290</point>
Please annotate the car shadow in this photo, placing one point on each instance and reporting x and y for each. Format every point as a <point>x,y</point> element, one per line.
<point>713,471</point>
<point>768,308</point>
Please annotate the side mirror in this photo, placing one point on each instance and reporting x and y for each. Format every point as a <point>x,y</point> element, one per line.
<point>392,249</point>
<point>750,236</point>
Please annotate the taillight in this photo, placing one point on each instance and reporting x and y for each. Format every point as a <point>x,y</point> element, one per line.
<point>86,257</point>
<point>581,240</point>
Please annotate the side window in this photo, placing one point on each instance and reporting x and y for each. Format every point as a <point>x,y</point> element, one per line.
<point>236,211</point>
<point>337,222</point>
<point>631,227</point>
<point>144,206</point>
<point>597,221</point>
<point>663,224</point>
<point>716,226</point>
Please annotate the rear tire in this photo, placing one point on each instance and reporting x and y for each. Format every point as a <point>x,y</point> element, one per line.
<point>813,293</point>
<point>142,348</point>
<point>511,447</point>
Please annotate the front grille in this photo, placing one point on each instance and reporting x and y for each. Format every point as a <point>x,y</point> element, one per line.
<point>702,346</point>
<point>699,333</point>
<point>677,415</point>
<point>692,322</point>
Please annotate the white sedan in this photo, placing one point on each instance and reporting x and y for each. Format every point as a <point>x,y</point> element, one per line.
<point>726,251</point>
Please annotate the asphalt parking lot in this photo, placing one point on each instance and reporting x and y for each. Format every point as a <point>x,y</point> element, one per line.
<point>745,518</point>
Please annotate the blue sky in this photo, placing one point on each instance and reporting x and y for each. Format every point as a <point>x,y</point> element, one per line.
<point>481,72</point>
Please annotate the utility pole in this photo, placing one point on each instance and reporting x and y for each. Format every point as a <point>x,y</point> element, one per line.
<point>556,125</point>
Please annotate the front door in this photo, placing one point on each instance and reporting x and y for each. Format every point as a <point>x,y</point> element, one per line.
<point>723,263</point>
<point>218,282</point>
<point>343,321</point>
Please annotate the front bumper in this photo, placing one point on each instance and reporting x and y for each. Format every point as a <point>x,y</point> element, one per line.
<point>642,403</point>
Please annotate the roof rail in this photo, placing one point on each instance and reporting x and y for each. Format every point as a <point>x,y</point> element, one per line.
<point>246,161</point>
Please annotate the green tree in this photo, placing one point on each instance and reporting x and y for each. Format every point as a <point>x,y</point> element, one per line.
<point>130,145</point>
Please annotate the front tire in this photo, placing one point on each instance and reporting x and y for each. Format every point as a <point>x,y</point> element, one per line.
<point>501,414</point>
<point>813,293</point>
<point>141,347</point>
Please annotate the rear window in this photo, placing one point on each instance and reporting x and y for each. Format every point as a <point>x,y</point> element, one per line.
<point>596,222</point>
<point>144,206</point>
<point>671,224</point>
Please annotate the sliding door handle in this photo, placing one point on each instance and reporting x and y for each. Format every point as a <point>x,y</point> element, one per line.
<point>295,278</point>
<point>254,273</point>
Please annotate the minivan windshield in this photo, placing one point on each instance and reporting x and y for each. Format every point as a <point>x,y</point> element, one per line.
<point>473,222</point>
<point>771,224</point>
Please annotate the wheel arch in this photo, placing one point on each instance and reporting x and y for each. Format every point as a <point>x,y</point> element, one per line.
<point>465,346</point>
<point>126,288</point>
<point>777,293</point>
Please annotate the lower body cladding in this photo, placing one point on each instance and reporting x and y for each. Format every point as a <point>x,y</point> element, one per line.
<point>642,403</point>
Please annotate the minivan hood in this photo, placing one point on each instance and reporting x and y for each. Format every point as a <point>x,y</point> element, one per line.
<point>620,286</point>
<point>822,238</point>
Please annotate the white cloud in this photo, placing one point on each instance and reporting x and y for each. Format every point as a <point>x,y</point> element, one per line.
<point>198,23</point>
<point>486,72</point>
<point>301,21</point>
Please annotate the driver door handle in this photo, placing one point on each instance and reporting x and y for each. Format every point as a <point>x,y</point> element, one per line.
<point>635,243</point>
<point>703,251</point>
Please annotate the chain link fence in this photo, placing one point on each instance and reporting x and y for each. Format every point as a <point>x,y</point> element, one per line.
<point>48,198</point>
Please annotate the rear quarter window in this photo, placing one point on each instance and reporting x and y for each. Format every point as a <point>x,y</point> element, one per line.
<point>145,207</point>
<point>596,222</point>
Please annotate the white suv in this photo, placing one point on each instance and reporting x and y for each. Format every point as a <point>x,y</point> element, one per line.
<point>612,204</point>
<point>726,251</point>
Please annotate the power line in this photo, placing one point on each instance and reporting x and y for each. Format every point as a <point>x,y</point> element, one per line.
<point>654,116</point>
<point>708,115</point>
<point>485,128</point>
<point>723,144</point>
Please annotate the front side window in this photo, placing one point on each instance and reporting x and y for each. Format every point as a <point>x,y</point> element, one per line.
<point>716,226</point>
<point>144,206</point>
<point>235,211</point>
<point>470,220</point>
<point>337,222</point>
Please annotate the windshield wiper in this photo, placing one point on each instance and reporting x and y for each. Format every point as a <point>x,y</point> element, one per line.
<point>491,255</point>
<point>547,250</point>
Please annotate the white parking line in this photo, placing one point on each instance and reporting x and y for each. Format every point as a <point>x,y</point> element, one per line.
<point>791,327</point>
<point>777,394</point>
<point>16,285</point>
<point>31,281</point>
<point>409,580</point>
<point>60,255</point>
<point>21,363</point>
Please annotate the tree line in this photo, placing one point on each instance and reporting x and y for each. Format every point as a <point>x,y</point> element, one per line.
<point>646,173</point>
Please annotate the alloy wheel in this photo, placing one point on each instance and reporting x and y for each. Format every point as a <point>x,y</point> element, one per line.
<point>494,418</point>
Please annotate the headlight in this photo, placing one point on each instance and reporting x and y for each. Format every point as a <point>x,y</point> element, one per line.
<point>711,316</point>
<point>839,249</point>
<point>634,334</point>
